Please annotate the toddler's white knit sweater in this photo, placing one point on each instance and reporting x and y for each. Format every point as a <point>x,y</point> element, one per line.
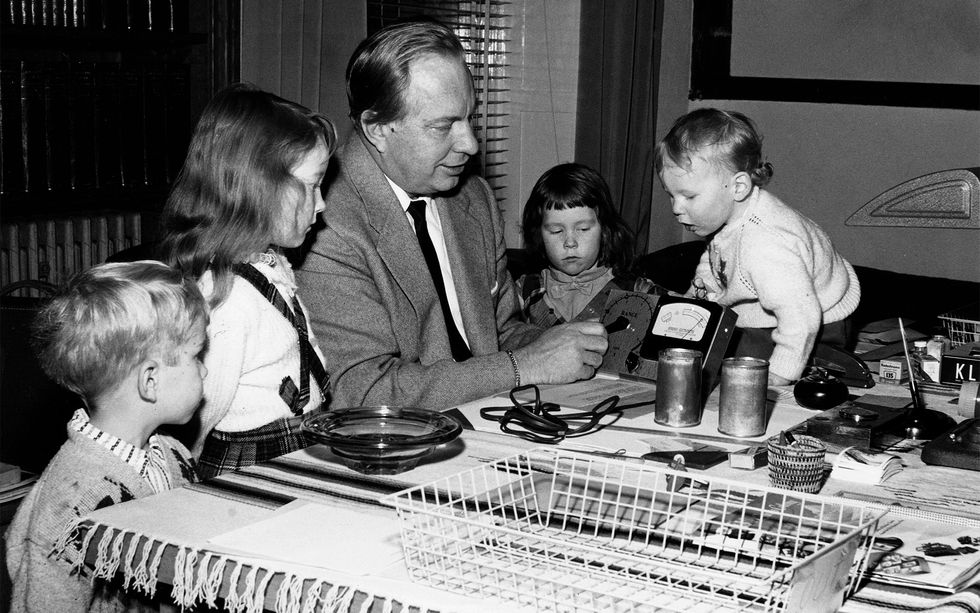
<point>778,269</point>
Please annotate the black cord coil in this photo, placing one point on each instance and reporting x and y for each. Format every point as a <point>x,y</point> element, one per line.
<point>543,422</point>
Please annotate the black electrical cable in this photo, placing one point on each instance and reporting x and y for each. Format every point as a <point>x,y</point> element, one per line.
<point>543,422</point>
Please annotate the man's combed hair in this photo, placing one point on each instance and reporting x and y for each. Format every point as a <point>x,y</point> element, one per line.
<point>727,138</point>
<point>225,203</point>
<point>378,72</point>
<point>568,186</point>
<point>110,318</point>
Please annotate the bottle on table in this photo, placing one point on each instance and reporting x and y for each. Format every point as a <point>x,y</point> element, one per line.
<point>937,346</point>
<point>925,366</point>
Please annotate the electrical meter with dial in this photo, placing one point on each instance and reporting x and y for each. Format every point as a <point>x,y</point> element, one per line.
<point>640,325</point>
<point>682,321</point>
<point>627,318</point>
<point>689,323</point>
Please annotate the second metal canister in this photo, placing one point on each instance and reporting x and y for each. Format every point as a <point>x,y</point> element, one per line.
<point>742,400</point>
<point>678,388</point>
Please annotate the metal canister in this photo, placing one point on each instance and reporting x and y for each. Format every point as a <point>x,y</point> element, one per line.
<point>678,388</point>
<point>742,401</point>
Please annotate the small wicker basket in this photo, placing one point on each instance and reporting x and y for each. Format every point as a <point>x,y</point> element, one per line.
<point>797,466</point>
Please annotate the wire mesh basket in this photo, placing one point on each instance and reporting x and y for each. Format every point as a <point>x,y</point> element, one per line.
<point>561,531</point>
<point>960,327</point>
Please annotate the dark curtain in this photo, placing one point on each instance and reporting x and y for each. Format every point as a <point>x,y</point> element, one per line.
<point>617,102</point>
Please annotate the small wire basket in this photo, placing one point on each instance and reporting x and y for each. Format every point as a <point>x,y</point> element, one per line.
<point>960,328</point>
<point>561,531</point>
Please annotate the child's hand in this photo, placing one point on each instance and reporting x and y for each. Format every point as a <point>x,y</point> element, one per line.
<point>704,284</point>
<point>646,286</point>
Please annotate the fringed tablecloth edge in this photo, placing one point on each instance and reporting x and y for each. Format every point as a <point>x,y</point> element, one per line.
<point>198,575</point>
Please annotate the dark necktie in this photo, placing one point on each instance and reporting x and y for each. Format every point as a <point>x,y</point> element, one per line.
<point>417,210</point>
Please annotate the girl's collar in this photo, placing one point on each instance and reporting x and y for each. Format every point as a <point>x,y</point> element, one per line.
<point>270,257</point>
<point>567,295</point>
<point>585,276</point>
<point>274,265</point>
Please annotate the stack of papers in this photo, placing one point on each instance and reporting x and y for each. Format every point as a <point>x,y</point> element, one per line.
<point>940,554</point>
<point>865,466</point>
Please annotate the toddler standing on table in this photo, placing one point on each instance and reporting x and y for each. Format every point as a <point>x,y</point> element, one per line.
<point>774,267</point>
<point>571,227</point>
<point>128,338</point>
<point>251,187</point>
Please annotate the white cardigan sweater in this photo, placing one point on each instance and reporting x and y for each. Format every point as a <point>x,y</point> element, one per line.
<point>251,347</point>
<point>778,269</point>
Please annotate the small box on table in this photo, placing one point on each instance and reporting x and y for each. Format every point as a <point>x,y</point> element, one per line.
<point>892,371</point>
<point>749,458</point>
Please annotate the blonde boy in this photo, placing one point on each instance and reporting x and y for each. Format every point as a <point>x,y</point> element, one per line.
<point>128,338</point>
<point>776,268</point>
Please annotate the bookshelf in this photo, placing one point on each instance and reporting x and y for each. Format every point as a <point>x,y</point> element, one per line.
<point>98,98</point>
<point>97,102</point>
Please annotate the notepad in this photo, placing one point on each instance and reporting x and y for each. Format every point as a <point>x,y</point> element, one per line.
<point>865,466</point>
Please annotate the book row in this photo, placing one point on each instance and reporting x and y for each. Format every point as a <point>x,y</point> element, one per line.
<point>67,127</point>
<point>109,15</point>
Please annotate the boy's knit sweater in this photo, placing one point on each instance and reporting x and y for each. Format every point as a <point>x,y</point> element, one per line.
<point>41,552</point>
<point>778,269</point>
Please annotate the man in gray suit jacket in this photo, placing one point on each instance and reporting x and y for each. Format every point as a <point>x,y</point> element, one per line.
<point>402,205</point>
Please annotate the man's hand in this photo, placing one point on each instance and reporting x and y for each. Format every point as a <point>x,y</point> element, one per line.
<point>563,354</point>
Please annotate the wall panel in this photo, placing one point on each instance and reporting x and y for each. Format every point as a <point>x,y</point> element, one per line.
<point>831,159</point>
<point>299,50</point>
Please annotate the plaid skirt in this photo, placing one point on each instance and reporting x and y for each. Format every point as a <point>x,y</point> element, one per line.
<point>228,451</point>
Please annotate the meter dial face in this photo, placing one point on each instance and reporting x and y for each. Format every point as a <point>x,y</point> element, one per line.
<point>630,313</point>
<point>681,321</point>
<point>627,320</point>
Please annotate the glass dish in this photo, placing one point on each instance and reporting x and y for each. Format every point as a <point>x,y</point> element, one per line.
<point>382,440</point>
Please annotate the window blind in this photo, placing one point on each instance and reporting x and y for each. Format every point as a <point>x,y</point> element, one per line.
<point>483,26</point>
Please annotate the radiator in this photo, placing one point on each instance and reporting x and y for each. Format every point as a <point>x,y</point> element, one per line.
<point>52,250</point>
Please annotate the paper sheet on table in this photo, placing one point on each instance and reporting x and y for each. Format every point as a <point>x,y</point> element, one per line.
<point>890,402</point>
<point>887,331</point>
<point>347,540</point>
<point>586,394</point>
